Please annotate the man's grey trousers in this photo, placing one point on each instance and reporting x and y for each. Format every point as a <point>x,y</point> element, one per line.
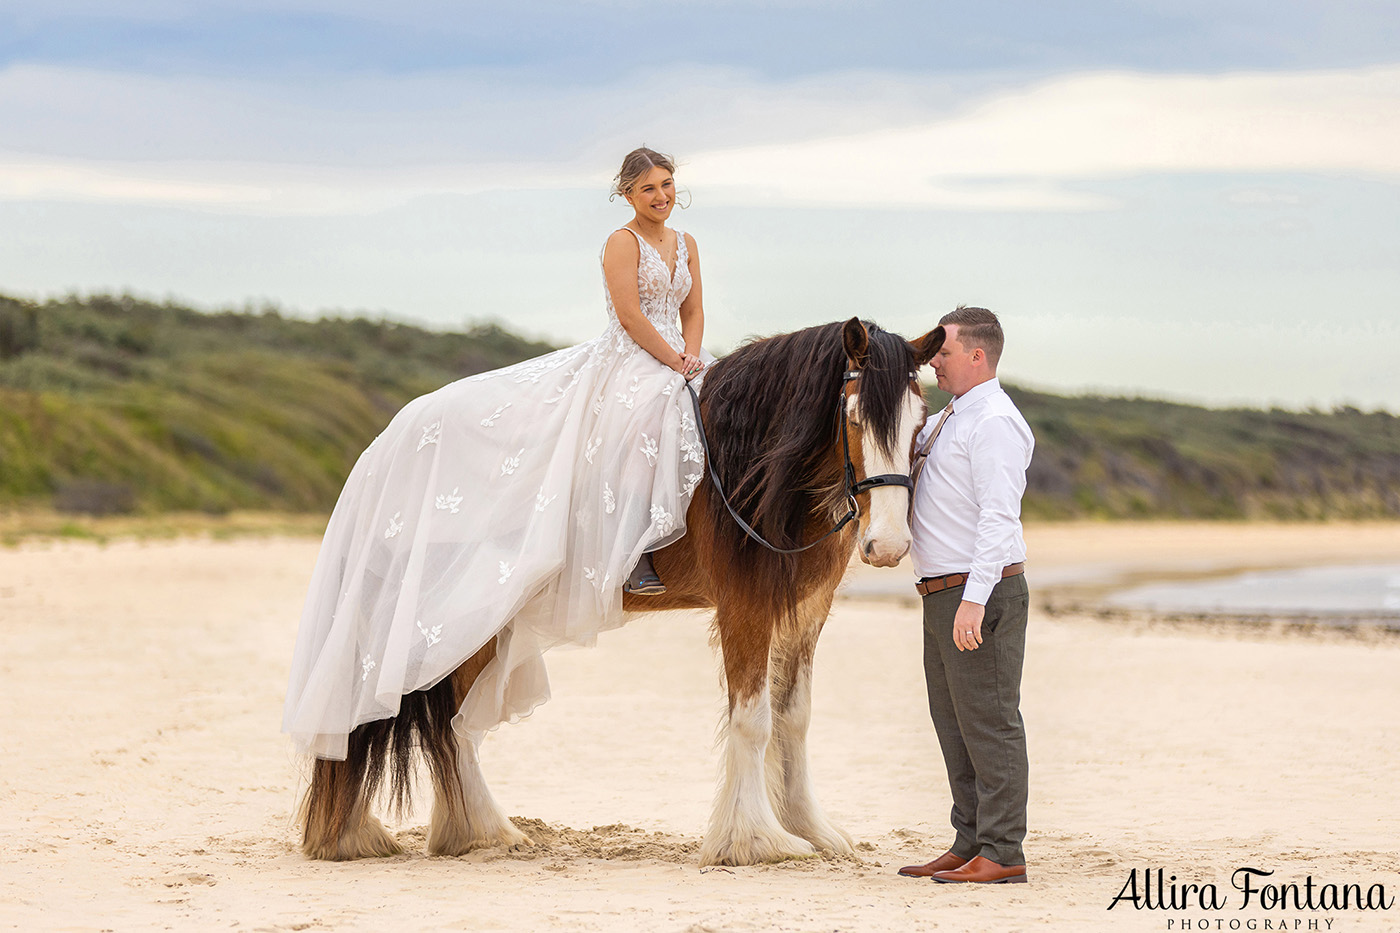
<point>974,698</point>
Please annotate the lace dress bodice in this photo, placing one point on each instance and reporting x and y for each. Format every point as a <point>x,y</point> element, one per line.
<point>660,291</point>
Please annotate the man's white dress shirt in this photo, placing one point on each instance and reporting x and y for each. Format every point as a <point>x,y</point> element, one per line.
<point>967,508</point>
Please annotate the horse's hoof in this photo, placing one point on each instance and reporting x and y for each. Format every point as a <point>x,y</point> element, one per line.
<point>830,839</point>
<point>756,849</point>
<point>450,846</point>
<point>369,840</point>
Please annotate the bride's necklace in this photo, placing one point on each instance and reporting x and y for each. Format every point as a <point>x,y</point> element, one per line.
<point>659,239</point>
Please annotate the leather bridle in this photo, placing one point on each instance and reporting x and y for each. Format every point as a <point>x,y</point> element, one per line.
<point>854,487</point>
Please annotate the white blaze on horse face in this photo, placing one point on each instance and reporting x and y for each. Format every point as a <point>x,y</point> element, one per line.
<point>887,539</point>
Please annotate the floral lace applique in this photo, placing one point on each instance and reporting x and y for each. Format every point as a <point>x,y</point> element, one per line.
<point>609,503</point>
<point>532,371</point>
<point>572,375</point>
<point>506,570</point>
<point>511,464</point>
<point>395,526</point>
<point>432,434</point>
<point>431,635</point>
<point>664,521</point>
<point>541,503</point>
<point>366,666</point>
<point>592,448</point>
<point>449,501</point>
<point>628,398</point>
<point>650,449</point>
<point>490,420</point>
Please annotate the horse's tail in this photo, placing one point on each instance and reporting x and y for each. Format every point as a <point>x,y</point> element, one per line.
<point>336,819</point>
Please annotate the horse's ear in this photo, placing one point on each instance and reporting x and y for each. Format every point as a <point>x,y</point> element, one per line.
<point>857,341</point>
<point>927,346</point>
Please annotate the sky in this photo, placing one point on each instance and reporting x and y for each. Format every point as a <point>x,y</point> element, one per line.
<point>1169,198</point>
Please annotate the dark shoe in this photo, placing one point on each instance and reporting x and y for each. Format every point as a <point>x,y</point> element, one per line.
<point>643,580</point>
<point>983,871</point>
<point>945,862</point>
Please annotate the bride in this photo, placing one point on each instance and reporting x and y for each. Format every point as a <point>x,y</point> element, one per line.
<point>515,504</point>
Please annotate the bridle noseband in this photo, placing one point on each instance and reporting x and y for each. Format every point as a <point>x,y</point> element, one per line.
<point>854,487</point>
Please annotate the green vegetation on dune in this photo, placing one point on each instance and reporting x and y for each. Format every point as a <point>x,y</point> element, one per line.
<point>1103,457</point>
<point>117,405</point>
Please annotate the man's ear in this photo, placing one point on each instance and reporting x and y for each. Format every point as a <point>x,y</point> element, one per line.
<point>857,341</point>
<point>927,346</point>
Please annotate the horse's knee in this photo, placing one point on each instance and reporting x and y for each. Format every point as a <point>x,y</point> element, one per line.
<point>751,718</point>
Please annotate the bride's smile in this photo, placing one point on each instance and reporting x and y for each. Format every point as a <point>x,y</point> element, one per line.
<point>657,190</point>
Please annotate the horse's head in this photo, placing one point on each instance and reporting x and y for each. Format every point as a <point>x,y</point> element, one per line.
<point>885,408</point>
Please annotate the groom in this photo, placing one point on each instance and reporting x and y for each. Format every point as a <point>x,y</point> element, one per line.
<point>970,554</point>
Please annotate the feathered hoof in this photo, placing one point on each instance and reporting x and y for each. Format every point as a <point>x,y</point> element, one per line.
<point>447,840</point>
<point>754,848</point>
<point>830,838</point>
<point>369,840</point>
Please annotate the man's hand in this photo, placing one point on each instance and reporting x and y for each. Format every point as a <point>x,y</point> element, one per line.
<point>967,626</point>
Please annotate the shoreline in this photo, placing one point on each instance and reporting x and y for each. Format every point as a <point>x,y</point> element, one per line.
<point>1074,567</point>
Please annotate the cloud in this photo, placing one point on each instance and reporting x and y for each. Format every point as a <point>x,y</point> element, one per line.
<point>855,140</point>
<point>1015,150</point>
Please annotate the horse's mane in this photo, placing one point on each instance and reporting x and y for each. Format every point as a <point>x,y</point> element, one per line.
<point>772,417</point>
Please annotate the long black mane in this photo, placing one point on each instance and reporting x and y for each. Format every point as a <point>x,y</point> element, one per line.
<point>773,417</point>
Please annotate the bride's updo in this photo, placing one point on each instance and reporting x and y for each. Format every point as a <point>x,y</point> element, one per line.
<point>636,164</point>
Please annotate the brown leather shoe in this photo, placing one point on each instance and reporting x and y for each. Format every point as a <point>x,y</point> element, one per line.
<point>983,871</point>
<point>945,862</point>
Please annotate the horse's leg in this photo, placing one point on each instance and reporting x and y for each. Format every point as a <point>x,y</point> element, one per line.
<point>467,817</point>
<point>336,820</point>
<point>743,828</point>
<point>789,778</point>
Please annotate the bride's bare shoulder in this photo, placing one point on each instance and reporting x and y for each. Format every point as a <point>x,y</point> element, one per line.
<point>621,247</point>
<point>623,236</point>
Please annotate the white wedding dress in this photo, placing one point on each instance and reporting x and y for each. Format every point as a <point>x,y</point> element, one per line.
<point>509,505</point>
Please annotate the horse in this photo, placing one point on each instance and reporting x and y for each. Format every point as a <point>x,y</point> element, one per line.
<point>793,420</point>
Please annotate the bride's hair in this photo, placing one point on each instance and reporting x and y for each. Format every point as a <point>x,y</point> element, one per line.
<point>636,164</point>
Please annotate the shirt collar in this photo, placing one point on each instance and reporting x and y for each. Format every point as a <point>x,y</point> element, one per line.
<point>976,394</point>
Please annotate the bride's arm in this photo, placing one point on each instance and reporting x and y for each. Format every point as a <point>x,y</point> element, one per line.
<point>620,258</point>
<point>692,309</point>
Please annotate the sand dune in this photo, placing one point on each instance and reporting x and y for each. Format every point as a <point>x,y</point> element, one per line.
<point>145,785</point>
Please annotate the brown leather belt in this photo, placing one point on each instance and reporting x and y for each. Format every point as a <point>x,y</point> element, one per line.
<point>949,580</point>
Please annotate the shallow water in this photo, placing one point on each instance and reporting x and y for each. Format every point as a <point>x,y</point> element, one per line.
<point>1365,590</point>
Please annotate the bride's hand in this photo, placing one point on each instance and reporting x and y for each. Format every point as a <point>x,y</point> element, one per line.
<point>691,365</point>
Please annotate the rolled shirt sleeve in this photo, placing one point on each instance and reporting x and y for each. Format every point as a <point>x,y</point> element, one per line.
<point>1000,451</point>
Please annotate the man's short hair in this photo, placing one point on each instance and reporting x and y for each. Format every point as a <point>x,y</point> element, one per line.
<point>978,327</point>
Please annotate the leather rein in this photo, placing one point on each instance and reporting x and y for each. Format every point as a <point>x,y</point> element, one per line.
<point>854,487</point>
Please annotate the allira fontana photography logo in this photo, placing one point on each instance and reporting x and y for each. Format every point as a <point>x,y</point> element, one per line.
<point>1276,904</point>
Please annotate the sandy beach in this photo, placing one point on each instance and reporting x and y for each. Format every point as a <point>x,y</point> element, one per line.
<point>145,785</point>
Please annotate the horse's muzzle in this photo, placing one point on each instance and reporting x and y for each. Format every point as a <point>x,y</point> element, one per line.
<point>885,551</point>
